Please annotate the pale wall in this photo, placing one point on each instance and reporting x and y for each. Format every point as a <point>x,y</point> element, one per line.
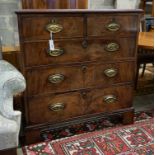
<point>8,22</point>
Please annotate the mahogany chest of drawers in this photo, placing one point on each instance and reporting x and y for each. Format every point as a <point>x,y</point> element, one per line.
<point>88,75</point>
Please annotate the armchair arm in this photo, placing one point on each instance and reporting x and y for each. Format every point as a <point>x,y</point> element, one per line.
<point>11,83</point>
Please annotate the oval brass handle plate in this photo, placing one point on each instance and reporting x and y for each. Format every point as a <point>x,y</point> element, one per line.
<point>112,47</point>
<point>56,52</point>
<point>110,99</point>
<point>54,27</point>
<point>111,72</point>
<point>113,27</point>
<point>57,107</point>
<point>56,78</point>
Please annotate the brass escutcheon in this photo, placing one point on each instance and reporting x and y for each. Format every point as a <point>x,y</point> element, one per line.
<point>56,52</point>
<point>54,27</point>
<point>56,78</point>
<point>112,47</point>
<point>84,69</point>
<point>111,72</point>
<point>110,99</point>
<point>113,27</point>
<point>57,106</point>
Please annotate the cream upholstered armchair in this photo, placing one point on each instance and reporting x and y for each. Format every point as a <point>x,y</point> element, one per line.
<point>11,83</point>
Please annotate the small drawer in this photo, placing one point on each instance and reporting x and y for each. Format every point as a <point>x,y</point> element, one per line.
<point>55,108</point>
<point>38,53</point>
<point>110,73</point>
<point>38,27</point>
<point>102,25</point>
<point>110,99</point>
<point>111,48</point>
<point>54,79</point>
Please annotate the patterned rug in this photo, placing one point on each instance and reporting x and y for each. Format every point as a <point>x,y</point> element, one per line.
<point>107,122</point>
<point>136,139</point>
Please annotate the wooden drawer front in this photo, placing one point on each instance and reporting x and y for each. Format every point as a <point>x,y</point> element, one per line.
<point>37,53</point>
<point>34,28</point>
<point>110,73</point>
<point>111,48</point>
<point>110,99</point>
<point>62,79</point>
<point>119,24</point>
<point>55,108</point>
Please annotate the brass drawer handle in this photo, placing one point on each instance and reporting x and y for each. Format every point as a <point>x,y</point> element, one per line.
<point>54,27</point>
<point>57,107</point>
<point>112,47</point>
<point>110,99</point>
<point>56,78</point>
<point>111,72</point>
<point>56,52</point>
<point>113,27</point>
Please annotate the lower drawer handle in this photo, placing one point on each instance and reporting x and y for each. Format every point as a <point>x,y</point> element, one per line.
<point>57,107</point>
<point>110,99</point>
<point>112,47</point>
<point>111,72</point>
<point>56,78</point>
<point>56,52</point>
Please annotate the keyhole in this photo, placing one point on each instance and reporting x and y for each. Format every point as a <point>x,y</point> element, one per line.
<point>84,95</point>
<point>85,44</point>
<point>84,68</point>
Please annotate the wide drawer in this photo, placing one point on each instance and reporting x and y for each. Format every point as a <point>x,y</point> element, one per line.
<point>68,78</point>
<point>109,99</point>
<point>62,107</point>
<point>80,50</point>
<point>55,108</point>
<point>36,27</point>
<point>111,24</point>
